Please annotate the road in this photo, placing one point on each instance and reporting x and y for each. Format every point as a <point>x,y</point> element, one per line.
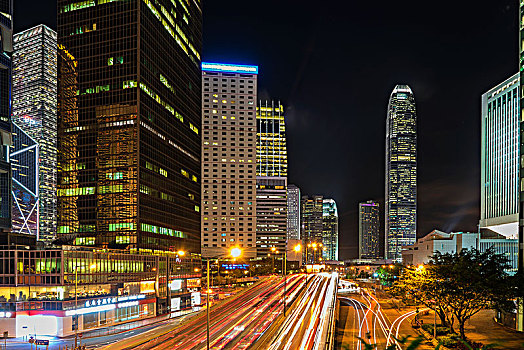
<point>302,328</point>
<point>235,324</point>
<point>363,317</point>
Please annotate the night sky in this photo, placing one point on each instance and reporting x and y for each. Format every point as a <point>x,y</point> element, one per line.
<point>333,66</point>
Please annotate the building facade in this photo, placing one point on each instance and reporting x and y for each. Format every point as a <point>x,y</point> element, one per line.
<point>438,241</point>
<point>229,141</point>
<point>499,158</point>
<point>369,230</point>
<point>6,25</point>
<point>129,137</point>
<point>24,158</point>
<point>401,172</point>
<point>329,230</point>
<point>293,212</point>
<point>520,309</point>
<point>312,226</point>
<point>38,288</point>
<point>271,178</point>
<point>35,115</point>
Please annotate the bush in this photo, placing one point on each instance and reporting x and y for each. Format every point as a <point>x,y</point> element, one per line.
<point>450,341</point>
<point>428,327</point>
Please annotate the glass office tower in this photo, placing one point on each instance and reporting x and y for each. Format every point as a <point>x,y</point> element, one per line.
<point>329,230</point>
<point>520,313</point>
<point>6,26</point>
<point>24,157</point>
<point>35,122</point>
<point>312,226</point>
<point>130,144</point>
<point>499,158</point>
<point>369,230</point>
<point>271,178</point>
<point>401,172</point>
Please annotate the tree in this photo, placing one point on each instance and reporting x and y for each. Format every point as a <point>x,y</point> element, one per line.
<point>457,286</point>
<point>470,281</point>
<point>420,284</point>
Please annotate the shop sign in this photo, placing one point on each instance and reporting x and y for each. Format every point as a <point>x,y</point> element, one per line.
<point>235,266</point>
<point>193,283</point>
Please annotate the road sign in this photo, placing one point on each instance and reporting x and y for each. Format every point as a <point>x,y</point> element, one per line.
<point>31,340</point>
<point>80,335</point>
<point>41,342</point>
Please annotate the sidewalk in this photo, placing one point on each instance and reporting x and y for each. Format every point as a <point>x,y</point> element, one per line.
<point>482,328</point>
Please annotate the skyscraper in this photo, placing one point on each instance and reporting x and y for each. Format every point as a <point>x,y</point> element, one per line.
<point>293,212</point>
<point>35,126</point>
<point>229,158</point>
<point>401,172</point>
<point>271,178</point>
<point>329,229</point>
<point>6,24</point>
<point>130,144</point>
<point>500,158</point>
<point>520,309</point>
<point>24,157</point>
<point>312,226</point>
<point>369,230</point>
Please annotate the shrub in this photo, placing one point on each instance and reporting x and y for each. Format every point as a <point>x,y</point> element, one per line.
<point>428,327</point>
<point>449,341</point>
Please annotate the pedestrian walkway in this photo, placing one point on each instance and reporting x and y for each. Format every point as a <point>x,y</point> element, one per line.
<point>482,328</point>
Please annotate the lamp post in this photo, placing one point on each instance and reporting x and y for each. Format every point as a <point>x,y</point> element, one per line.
<point>273,251</point>
<point>76,305</point>
<point>235,252</point>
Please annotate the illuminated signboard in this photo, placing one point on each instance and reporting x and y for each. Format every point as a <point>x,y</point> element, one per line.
<point>176,285</point>
<point>193,282</point>
<point>235,266</point>
<point>230,68</point>
<point>175,304</point>
<point>106,304</point>
<point>195,298</point>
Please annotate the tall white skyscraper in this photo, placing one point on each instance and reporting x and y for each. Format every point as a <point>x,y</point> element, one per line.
<point>401,172</point>
<point>34,152</point>
<point>500,158</point>
<point>293,212</point>
<point>229,95</point>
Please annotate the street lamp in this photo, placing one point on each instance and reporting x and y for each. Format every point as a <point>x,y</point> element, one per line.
<point>234,252</point>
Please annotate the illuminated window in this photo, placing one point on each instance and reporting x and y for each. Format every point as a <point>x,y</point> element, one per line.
<point>85,241</point>
<point>194,128</point>
<point>80,191</point>
<point>123,239</point>
<point>122,226</point>
<point>77,6</point>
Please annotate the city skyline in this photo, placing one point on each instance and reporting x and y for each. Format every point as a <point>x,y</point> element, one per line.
<point>452,198</point>
<point>200,174</point>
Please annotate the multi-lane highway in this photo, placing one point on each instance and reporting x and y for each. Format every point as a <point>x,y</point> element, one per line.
<point>235,324</point>
<point>363,317</point>
<point>308,322</point>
